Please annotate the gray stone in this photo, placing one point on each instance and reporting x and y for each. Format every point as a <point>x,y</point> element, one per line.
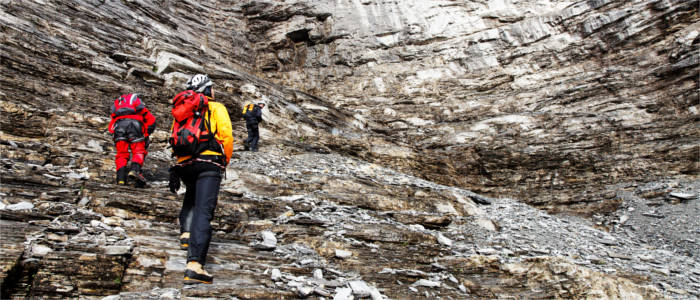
<point>339,253</point>
<point>453,279</point>
<point>608,242</point>
<point>275,274</point>
<point>117,250</point>
<point>40,250</point>
<point>663,271</point>
<point>176,264</point>
<point>170,293</point>
<point>20,206</point>
<point>486,224</point>
<point>322,292</point>
<point>266,241</point>
<point>113,221</point>
<point>84,201</point>
<point>291,198</point>
<point>82,174</point>
<point>318,274</point>
<point>305,291</point>
<point>624,219</point>
<point>683,196</point>
<point>618,255</point>
<point>641,267</point>
<point>376,295</point>
<point>360,288</point>
<point>427,283</point>
<point>444,240</point>
<point>343,294</point>
<point>487,251</point>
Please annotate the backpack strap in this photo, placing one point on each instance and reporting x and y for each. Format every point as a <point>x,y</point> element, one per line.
<point>207,122</point>
<point>212,141</point>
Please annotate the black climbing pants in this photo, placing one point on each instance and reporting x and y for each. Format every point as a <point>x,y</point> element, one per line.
<point>253,136</point>
<point>202,180</point>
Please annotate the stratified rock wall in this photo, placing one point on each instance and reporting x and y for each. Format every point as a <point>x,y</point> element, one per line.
<point>548,101</point>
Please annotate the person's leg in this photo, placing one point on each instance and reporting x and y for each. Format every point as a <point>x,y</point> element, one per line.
<point>121,159</point>
<point>186,214</point>
<point>138,152</point>
<point>254,138</point>
<point>206,196</point>
<point>246,142</point>
<point>185,173</point>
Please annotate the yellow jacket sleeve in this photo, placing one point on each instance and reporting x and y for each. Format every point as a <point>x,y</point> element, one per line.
<point>221,124</point>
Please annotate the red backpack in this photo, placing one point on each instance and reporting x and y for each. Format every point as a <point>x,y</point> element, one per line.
<point>191,130</point>
<point>127,105</point>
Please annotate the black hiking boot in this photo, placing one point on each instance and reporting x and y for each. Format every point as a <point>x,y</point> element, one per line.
<point>121,175</point>
<point>194,274</point>
<point>136,176</point>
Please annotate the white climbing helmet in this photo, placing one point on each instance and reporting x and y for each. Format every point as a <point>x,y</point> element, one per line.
<point>198,83</point>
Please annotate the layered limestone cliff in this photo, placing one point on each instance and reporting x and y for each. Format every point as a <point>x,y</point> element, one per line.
<point>387,123</point>
<point>547,101</point>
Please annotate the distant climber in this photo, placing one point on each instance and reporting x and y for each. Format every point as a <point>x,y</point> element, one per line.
<point>202,141</point>
<point>132,124</point>
<point>252,113</point>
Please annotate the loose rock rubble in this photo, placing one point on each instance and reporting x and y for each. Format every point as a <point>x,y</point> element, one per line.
<point>315,243</point>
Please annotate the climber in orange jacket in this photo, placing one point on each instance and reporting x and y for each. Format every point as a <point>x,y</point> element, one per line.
<point>131,124</point>
<point>202,141</point>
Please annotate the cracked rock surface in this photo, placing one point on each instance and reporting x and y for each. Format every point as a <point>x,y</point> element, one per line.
<point>410,149</point>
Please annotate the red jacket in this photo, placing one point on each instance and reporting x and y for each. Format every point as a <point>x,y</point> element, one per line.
<point>133,110</point>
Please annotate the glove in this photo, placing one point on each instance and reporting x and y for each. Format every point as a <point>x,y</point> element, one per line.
<point>174,181</point>
<point>147,142</point>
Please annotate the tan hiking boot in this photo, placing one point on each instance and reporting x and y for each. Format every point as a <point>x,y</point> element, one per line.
<point>184,240</point>
<point>195,274</point>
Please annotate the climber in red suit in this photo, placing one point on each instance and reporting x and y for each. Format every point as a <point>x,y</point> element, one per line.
<point>131,124</point>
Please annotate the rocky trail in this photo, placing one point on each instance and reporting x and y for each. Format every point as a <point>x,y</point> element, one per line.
<point>296,224</point>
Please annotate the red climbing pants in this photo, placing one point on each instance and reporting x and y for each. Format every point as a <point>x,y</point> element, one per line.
<point>138,153</point>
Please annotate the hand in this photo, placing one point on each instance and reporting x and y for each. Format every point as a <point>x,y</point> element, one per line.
<point>174,181</point>
<point>147,142</point>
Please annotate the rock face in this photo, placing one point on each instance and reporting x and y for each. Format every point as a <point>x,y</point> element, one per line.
<point>548,101</point>
<point>387,125</point>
